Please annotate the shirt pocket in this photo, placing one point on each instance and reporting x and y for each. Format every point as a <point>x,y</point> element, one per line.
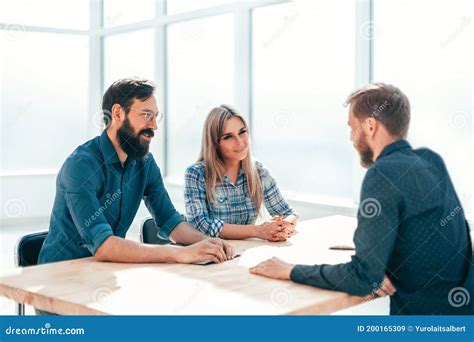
<point>222,199</point>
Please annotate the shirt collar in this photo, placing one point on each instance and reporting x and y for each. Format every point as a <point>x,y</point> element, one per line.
<point>239,177</point>
<point>395,146</point>
<point>108,150</point>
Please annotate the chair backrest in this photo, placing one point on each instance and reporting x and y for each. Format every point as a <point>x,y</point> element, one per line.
<point>28,248</point>
<point>149,233</point>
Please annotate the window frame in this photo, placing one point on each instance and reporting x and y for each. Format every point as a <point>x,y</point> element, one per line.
<point>243,94</point>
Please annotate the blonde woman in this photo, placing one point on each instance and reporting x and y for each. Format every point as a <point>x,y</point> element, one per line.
<point>225,189</point>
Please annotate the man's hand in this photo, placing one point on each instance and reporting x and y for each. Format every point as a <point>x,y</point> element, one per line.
<point>229,251</point>
<point>273,268</point>
<point>209,249</point>
<point>386,288</point>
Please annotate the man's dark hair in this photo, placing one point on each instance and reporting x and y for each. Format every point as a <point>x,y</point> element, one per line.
<point>385,103</point>
<point>123,92</point>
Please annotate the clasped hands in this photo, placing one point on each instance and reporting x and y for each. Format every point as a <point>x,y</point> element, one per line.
<point>277,229</point>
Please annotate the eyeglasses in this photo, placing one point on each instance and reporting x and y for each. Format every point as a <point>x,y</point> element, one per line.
<point>148,115</point>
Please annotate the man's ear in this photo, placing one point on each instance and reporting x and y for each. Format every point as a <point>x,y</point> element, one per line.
<point>117,113</point>
<point>371,127</point>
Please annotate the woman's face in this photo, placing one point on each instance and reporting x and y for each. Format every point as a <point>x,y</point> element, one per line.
<point>234,142</point>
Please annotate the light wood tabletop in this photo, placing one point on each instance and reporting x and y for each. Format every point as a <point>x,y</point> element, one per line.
<point>87,287</point>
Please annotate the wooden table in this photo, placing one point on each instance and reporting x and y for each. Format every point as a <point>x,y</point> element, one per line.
<point>88,287</point>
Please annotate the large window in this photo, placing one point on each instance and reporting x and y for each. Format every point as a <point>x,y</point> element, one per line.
<point>200,77</point>
<point>70,14</point>
<point>431,60</point>
<point>287,65</point>
<point>44,88</point>
<point>121,12</point>
<point>179,6</point>
<point>303,69</point>
<point>128,55</point>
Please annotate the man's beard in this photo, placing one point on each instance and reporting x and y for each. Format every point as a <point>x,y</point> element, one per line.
<point>365,152</point>
<point>130,141</point>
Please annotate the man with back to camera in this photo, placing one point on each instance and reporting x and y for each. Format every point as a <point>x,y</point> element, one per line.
<point>101,184</point>
<point>417,245</point>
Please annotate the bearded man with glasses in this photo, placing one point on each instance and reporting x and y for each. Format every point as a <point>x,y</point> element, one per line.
<point>101,184</point>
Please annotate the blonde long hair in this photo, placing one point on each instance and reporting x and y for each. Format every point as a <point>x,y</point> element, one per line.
<point>211,156</point>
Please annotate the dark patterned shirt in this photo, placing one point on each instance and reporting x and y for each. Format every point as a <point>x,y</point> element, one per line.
<point>411,227</point>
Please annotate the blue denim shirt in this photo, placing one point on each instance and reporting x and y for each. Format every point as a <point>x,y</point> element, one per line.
<point>411,227</point>
<point>97,197</point>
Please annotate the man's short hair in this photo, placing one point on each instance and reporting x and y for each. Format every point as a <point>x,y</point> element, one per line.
<point>123,92</point>
<point>384,102</point>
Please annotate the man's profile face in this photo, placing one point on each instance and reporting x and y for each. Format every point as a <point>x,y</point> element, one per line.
<point>359,140</point>
<point>138,128</point>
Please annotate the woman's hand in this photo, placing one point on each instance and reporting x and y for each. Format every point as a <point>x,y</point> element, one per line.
<point>275,230</point>
<point>289,223</point>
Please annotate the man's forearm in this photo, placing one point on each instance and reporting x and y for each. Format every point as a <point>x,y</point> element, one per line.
<point>186,234</point>
<point>346,277</point>
<point>116,249</point>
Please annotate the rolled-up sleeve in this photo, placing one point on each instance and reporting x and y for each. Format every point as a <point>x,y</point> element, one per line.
<point>80,184</point>
<point>196,203</point>
<point>159,203</point>
<point>273,199</point>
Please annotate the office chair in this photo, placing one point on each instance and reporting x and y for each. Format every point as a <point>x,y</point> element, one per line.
<point>27,250</point>
<point>149,233</point>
